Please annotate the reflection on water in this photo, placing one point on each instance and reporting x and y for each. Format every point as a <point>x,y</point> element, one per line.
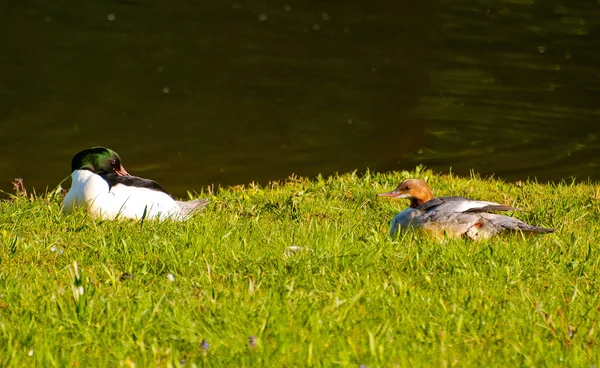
<point>515,90</point>
<point>220,92</point>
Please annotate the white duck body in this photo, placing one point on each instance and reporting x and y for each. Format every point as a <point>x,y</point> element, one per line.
<point>120,201</point>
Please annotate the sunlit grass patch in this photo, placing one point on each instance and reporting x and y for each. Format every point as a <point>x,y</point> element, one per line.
<point>302,273</point>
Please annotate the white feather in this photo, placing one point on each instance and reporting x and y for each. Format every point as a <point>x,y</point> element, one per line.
<point>121,201</point>
<point>467,204</point>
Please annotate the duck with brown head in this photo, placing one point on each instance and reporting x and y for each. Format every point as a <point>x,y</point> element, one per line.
<point>414,189</point>
<point>453,216</point>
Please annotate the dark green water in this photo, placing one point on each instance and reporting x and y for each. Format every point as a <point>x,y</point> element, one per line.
<point>193,93</point>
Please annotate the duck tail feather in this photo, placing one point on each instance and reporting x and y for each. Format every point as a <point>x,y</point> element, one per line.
<point>511,223</point>
<point>525,227</point>
<point>188,208</point>
<point>536,229</point>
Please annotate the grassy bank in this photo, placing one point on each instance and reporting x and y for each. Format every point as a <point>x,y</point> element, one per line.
<point>302,273</point>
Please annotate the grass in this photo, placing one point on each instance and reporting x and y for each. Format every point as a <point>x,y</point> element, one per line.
<point>302,273</point>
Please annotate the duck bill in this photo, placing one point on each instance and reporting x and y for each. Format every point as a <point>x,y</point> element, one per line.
<point>392,194</point>
<point>121,171</point>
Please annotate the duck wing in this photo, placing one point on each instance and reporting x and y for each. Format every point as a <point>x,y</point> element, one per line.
<point>512,224</point>
<point>461,204</point>
<point>132,181</point>
<point>477,226</point>
<point>492,208</point>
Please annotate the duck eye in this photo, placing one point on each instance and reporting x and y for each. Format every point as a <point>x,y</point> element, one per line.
<point>114,162</point>
<point>407,187</point>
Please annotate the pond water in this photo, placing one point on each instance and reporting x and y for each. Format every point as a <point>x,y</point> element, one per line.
<point>194,93</point>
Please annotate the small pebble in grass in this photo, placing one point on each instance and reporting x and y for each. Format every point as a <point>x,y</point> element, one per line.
<point>58,251</point>
<point>30,352</point>
<point>171,277</point>
<point>182,362</point>
<point>204,345</point>
<point>291,250</point>
<point>252,341</point>
<point>126,276</point>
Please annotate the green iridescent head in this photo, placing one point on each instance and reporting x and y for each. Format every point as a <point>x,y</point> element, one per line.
<point>99,160</point>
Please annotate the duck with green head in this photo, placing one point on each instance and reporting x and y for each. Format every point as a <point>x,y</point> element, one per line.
<point>106,190</point>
